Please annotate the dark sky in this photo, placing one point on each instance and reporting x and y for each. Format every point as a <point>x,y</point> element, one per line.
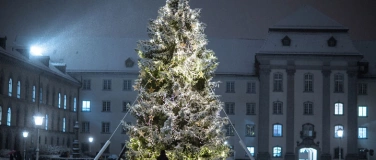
<point>129,18</point>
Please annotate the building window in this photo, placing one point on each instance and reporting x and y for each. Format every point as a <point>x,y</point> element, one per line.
<point>336,153</point>
<point>336,127</point>
<point>251,150</point>
<point>63,124</point>
<point>127,85</point>
<point>65,101</point>
<point>230,108</point>
<point>52,140</point>
<point>362,132</point>
<point>308,108</point>
<point>105,127</point>
<point>362,89</point>
<point>58,100</point>
<point>86,84</point>
<point>230,130</point>
<point>277,107</point>
<point>338,108</point>
<point>47,95</point>
<point>277,82</point>
<point>85,127</point>
<point>250,130</point>
<point>126,106</point>
<point>85,106</point>
<point>74,104</point>
<point>10,87</point>
<point>34,94</point>
<point>308,82</point>
<point>250,108</point>
<point>27,90</point>
<point>19,89</point>
<point>1,114</point>
<point>277,130</point>
<point>46,121</point>
<point>332,42</point>
<point>338,83</point>
<point>230,87</point>
<point>9,118</point>
<point>286,41</point>
<point>40,95</point>
<point>106,107</point>
<point>277,152</point>
<point>107,84</point>
<point>251,87</point>
<point>362,111</point>
<point>125,129</point>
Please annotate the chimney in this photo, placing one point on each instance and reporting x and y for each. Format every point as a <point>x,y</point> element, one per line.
<point>43,59</point>
<point>23,51</point>
<point>61,67</point>
<point>3,43</point>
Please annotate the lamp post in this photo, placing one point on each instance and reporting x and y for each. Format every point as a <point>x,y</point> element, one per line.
<point>90,140</point>
<point>38,122</point>
<point>339,134</point>
<point>25,134</point>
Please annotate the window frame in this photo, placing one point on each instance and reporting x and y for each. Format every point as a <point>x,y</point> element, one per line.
<point>278,108</point>
<point>336,127</point>
<point>86,106</point>
<point>277,152</point>
<point>338,109</point>
<point>250,108</point>
<point>363,133</point>
<point>106,106</point>
<point>86,84</point>
<point>277,128</point>
<point>127,85</point>
<point>230,87</point>
<point>362,88</point>
<point>362,111</point>
<point>10,87</point>
<point>105,129</point>
<point>278,82</point>
<point>308,82</point>
<point>125,106</point>
<point>107,84</point>
<point>230,108</point>
<point>308,108</point>
<point>85,127</point>
<point>250,130</point>
<point>339,82</point>
<point>230,130</point>
<point>251,87</point>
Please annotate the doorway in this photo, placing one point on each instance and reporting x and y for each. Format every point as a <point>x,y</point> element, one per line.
<point>307,154</point>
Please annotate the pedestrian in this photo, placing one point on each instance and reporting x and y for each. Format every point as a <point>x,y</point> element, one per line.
<point>162,156</point>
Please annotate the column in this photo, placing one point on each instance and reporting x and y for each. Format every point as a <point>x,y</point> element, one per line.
<point>351,133</point>
<point>326,115</point>
<point>290,132</point>
<point>263,122</point>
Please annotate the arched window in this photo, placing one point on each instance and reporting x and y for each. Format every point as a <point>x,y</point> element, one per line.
<point>33,98</point>
<point>46,125</point>
<point>63,124</point>
<point>277,151</point>
<point>19,89</point>
<point>65,101</point>
<point>336,127</point>
<point>277,130</point>
<point>58,100</point>
<point>9,116</point>
<point>10,88</point>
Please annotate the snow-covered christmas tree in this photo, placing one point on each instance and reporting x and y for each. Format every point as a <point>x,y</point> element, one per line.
<point>176,109</point>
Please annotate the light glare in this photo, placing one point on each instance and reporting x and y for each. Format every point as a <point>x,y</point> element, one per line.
<point>36,51</point>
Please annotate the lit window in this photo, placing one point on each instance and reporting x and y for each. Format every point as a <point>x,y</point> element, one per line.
<point>58,100</point>
<point>230,130</point>
<point>362,89</point>
<point>105,127</point>
<point>277,82</point>
<point>277,130</point>
<point>10,87</point>
<point>126,106</point>
<point>107,84</point>
<point>19,89</point>
<point>251,87</point>
<point>251,150</point>
<point>46,120</point>
<point>127,85</point>
<point>63,124</point>
<point>65,101</point>
<point>86,85</point>
<point>308,82</point>
<point>338,82</point>
<point>250,130</point>
<point>362,132</point>
<point>250,108</point>
<point>336,129</point>
<point>277,152</point>
<point>40,95</point>
<point>362,111</point>
<point>230,107</point>
<point>277,107</point>
<point>85,106</point>
<point>338,108</point>
<point>230,87</point>
<point>74,104</point>
<point>308,108</point>
<point>1,113</point>
<point>9,117</point>
<point>106,107</point>
<point>34,94</point>
<point>85,127</point>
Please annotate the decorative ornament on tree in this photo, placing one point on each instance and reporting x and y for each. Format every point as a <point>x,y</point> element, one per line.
<point>176,110</point>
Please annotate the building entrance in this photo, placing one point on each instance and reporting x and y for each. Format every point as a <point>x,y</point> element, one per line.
<point>307,154</point>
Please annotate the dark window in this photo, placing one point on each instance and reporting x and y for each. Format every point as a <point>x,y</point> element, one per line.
<point>251,87</point>
<point>105,127</point>
<point>250,108</point>
<point>338,82</point>
<point>106,106</point>
<point>362,88</point>
<point>127,85</point>
<point>86,85</point>
<point>107,84</point>
<point>286,41</point>
<point>230,107</point>
<point>277,107</point>
<point>308,108</point>
<point>230,87</point>
<point>332,42</point>
<point>277,82</point>
<point>125,106</point>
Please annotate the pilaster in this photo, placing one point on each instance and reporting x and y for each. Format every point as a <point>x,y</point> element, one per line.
<point>326,113</point>
<point>352,119</point>
<point>290,114</point>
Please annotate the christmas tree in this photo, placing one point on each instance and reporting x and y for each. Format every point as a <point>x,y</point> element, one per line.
<point>177,110</point>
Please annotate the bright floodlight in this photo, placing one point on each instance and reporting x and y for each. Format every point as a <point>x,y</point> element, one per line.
<point>36,51</point>
<point>25,134</point>
<point>90,139</point>
<point>340,132</point>
<point>38,120</point>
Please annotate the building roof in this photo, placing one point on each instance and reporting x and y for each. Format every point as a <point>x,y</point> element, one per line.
<point>368,49</point>
<point>307,18</point>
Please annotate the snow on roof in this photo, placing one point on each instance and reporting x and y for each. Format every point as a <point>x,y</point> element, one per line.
<point>307,18</point>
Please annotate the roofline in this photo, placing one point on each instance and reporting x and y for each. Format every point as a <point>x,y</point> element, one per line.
<point>278,29</point>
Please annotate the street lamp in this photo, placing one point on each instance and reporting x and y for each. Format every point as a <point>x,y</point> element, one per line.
<point>339,134</point>
<point>90,140</point>
<point>38,122</point>
<point>25,134</point>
